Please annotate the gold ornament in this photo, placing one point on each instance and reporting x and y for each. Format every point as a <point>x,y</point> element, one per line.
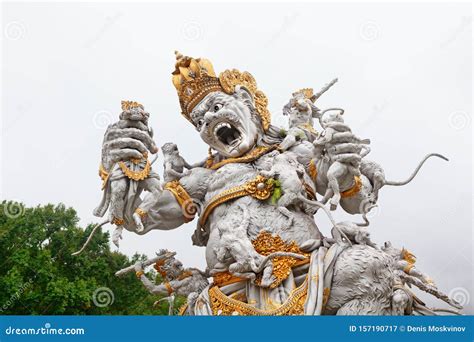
<point>306,92</point>
<point>104,175</point>
<point>139,274</point>
<point>259,188</point>
<point>256,153</point>
<point>195,78</point>
<point>136,175</point>
<point>128,105</point>
<point>225,278</point>
<point>142,213</point>
<point>266,244</point>
<point>313,171</point>
<point>118,221</point>
<point>169,288</point>
<point>410,259</point>
<point>182,309</point>
<point>182,197</point>
<point>226,306</point>
<point>326,293</point>
<point>354,190</point>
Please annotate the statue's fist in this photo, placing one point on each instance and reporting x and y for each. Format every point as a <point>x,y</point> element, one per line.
<point>123,142</point>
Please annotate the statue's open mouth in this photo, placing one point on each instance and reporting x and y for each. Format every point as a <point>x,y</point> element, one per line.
<point>227,134</point>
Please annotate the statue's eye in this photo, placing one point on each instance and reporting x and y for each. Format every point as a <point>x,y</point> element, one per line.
<point>217,107</point>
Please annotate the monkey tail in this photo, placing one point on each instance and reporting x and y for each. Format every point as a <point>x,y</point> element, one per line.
<point>328,213</point>
<point>277,255</point>
<point>90,237</point>
<point>395,183</point>
<point>154,159</point>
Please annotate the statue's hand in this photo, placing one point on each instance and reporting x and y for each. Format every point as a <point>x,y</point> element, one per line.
<point>122,142</point>
<point>138,266</point>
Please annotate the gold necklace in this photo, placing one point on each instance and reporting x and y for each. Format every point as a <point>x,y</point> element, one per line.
<point>256,153</point>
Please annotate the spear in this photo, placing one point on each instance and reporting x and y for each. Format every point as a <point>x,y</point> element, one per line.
<point>323,90</point>
<point>146,263</point>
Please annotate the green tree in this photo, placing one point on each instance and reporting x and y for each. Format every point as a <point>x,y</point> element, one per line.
<point>39,276</point>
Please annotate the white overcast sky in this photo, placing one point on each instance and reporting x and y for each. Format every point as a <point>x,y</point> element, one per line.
<point>405,74</point>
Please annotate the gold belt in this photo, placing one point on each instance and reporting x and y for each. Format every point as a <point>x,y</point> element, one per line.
<point>355,188</point>
<point>260,188</point>
<point>226,306</point>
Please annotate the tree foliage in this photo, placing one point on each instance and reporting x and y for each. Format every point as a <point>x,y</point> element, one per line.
<point>39,276</point>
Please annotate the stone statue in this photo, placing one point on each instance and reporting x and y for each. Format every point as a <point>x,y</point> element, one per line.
<point>255,203</point>
<point>187,282</point>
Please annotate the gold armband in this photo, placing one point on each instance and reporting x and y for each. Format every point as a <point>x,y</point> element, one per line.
<point>104,175</point>
<point>140,212</point>
<point>139,273</point>
<point>183,198</point>
<point>118,221</point>
<point>169,288</point>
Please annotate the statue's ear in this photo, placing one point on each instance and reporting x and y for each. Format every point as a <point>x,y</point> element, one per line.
<point>244,93</point>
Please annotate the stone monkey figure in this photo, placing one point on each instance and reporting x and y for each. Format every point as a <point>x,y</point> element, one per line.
<point>301,112</point>
<point>176,279</point>
<point>344,158</point>
<point>125,178</point>
<point>173,163</point>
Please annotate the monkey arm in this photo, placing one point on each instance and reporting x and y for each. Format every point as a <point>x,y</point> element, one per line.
<point>153,288</point>
<point>172,172</point>
<point>326,138</point>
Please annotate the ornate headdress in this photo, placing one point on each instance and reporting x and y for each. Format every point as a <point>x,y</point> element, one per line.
<point>127,105</point>
<point>195,78</point>
<point>307,93</point>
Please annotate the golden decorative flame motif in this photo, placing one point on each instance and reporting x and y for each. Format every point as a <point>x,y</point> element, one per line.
<point>266,244</point>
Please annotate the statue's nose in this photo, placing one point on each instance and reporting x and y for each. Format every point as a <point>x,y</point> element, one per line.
<point>209,116</point>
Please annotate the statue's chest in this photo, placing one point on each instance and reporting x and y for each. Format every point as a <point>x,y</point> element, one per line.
<point>229,176</point>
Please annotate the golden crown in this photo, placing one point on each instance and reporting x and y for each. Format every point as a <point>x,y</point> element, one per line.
<point>128,105</point>
<point>306,92</point>
<point>195,78</point>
